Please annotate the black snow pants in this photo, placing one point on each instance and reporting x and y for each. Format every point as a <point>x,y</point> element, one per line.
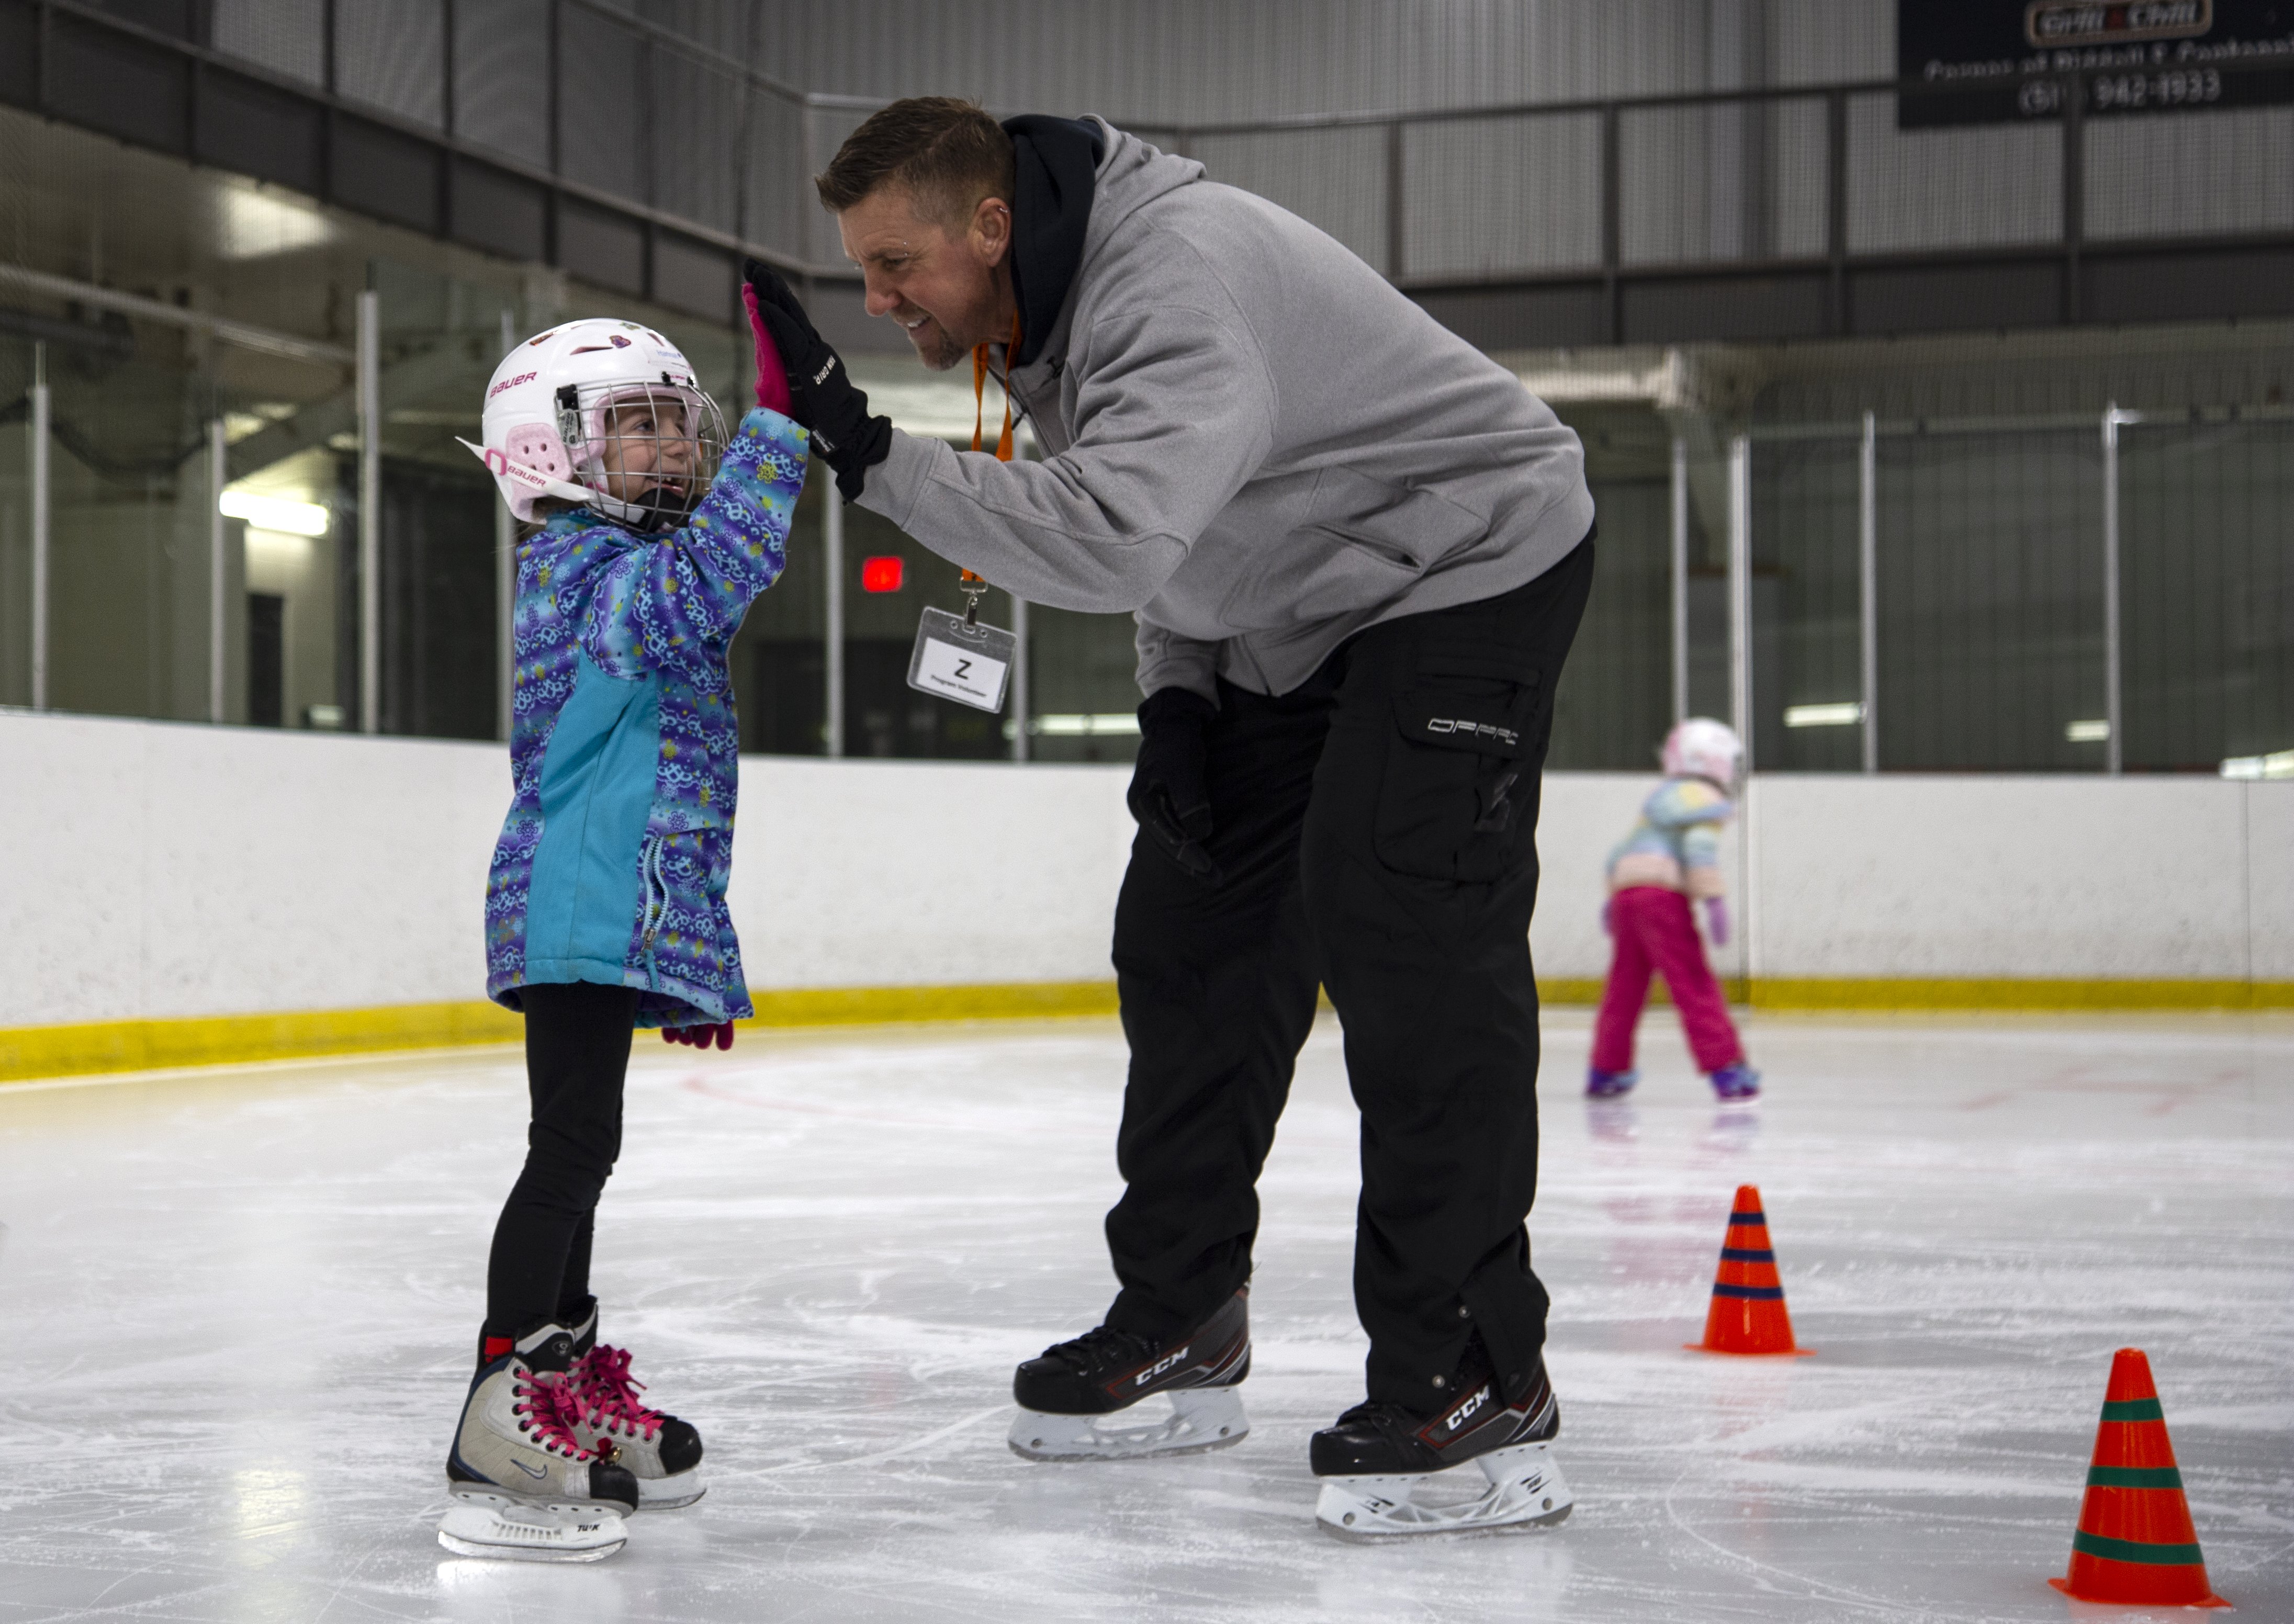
<point>577,1058</point>
<point>1375,830</point>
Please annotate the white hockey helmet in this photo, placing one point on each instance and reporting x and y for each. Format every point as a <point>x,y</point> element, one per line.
<point>1703,748</point>
<point>552,426</point>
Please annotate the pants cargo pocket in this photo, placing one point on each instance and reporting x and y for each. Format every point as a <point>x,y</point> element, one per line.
<point>1460,772</point>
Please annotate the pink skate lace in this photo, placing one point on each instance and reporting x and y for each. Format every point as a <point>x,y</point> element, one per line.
<point>547,1412</point>
<point>602,1392</point>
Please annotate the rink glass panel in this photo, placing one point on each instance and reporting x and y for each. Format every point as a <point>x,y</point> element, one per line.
<point>1990,600</point>
<point>2207,539</point>
<point>1807,603</point>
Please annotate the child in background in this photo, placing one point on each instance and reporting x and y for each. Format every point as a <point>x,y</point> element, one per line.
<point>605,906</point>
<point>1672,855</point>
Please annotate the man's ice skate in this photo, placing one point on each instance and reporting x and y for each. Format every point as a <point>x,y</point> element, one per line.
<point>1480,1464</point>
<point>529,1491</point>
<point>606,1417</point>
<point>1070,1396</point>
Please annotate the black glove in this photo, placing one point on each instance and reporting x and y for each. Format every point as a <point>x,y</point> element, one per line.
<point>1168,795</point>
<point>824,398</point>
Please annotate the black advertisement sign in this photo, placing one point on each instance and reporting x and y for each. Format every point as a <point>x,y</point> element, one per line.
<point>2129,56</point>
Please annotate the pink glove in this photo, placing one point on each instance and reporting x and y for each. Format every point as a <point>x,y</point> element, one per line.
<point>772,387</point>
<point>1716,920</point>
<point>701,1037</point>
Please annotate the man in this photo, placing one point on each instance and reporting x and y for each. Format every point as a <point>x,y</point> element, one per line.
<point>1357,551</point>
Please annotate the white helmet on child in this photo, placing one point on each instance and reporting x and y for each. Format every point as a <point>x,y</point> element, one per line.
<point>550,420</point>
<point>1703,748</point>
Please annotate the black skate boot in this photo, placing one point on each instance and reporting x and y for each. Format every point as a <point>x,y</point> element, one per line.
<point>1062,1393</point>
<point>606,1414</point>
<point>1388,1471</point>
<point>526,1488</point>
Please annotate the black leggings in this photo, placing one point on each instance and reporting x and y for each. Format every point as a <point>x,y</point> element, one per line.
<point>577,1054</point>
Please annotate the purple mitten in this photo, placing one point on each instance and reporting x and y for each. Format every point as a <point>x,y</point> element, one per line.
<point>772,378</point>
<point>1716,920</point>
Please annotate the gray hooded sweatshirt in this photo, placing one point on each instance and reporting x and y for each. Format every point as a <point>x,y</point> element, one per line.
<point>1252,440</point>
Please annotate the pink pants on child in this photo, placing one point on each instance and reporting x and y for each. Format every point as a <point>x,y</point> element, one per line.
<point>1653,931</point>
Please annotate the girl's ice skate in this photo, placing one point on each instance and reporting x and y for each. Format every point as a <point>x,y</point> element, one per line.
<point>1609,1084</point>
<point>1736,1083</point>
<point>1068,1395</point>
<point>528,1489</point>
<point>1387,1471</point>
<point>661,1452</point>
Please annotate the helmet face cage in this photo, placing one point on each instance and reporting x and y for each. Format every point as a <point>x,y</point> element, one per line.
<point>662,441</point>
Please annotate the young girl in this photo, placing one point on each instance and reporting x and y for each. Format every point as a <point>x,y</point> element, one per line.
<point>1672,855</point>
<point>605,906</point>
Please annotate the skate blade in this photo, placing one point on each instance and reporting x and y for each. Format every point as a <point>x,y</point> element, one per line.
<point>531,1533</point>
<point>494,1497</point>
<point>1201,1418</point>
<point>668,1493</point>
<point>1524,1489</point>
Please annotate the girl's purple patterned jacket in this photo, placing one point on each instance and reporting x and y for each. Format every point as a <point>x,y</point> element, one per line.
<point>613,862</point>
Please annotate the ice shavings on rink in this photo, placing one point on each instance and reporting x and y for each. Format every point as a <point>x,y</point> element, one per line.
<point>240,1303</point>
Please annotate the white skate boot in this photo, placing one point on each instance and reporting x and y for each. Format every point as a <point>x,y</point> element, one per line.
<point>1480,1464</point>
<point>1070,1394</point>
<point>661,1452</point>
<point>527,1488</point>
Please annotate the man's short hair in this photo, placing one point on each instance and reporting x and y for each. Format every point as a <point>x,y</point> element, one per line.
<point>947,152</point>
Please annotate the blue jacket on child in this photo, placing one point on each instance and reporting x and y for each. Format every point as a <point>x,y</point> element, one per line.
<point>613,862</point>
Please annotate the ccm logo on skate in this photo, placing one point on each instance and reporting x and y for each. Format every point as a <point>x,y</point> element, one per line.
<point>1158,1367</point>
<point>1457,1418</point>
<point>1479,730</point>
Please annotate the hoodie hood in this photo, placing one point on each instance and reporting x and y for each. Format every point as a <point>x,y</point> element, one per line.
<point>1053,161</point>
<point>1049,256</point>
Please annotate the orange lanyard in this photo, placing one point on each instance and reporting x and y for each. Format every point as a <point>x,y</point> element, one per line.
<point>980,408</point>
<point>980,394</point>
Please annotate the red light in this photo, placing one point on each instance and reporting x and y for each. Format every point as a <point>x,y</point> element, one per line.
<point>881,574</point>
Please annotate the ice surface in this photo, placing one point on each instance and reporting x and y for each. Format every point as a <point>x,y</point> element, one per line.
<point>240,1306</point>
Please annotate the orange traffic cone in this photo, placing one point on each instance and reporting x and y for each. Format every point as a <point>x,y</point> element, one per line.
<point>2134,1544</point>
<point>1748,1315</point>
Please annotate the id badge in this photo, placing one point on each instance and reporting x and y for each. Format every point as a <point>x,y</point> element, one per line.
<point>960,659</point>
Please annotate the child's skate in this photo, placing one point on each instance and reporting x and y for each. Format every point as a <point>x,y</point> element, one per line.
<point>1736,1083</point>
<point>1609,1084</point>
<point>529,1491</point>
<point>1069,1393</point>
<point>661,1452</point>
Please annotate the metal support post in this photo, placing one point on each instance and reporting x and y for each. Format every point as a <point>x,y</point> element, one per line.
<point>832,535</point>
<point>1679,579</point>
<point>370,571</point>
<point>505,588</point>
<point>2114,711</point>
<point>1867,584</point>
<point>1020,678</point>
<point>1740,592</point>
<point>218,623</point>
<point>41,511</point>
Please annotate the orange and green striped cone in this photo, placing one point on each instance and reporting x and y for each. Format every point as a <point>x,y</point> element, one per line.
<point>2135,1545</point>
<point>1748,1314</point>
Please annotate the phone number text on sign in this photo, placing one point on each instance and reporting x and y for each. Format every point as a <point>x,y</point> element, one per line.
<point>2181,87</point>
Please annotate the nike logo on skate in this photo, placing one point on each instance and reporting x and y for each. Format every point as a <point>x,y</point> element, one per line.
<point>535,1472</point>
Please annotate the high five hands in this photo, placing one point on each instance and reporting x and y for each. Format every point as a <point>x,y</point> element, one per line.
<point>821,396</point>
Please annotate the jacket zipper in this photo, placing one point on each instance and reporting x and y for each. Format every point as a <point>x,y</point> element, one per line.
<point>657,906</point>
